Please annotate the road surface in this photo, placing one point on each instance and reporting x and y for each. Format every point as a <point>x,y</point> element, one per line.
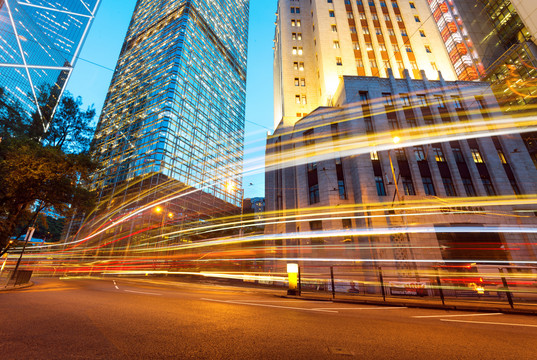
<point>155,319</point>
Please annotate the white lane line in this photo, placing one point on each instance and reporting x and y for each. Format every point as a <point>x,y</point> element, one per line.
<point>461,315</point>
<point>267,305</point>
<point>488,323</point>
<point>116,285</point>
<point>367,308</point>
<point>285,301</point>
<point>142,292</point>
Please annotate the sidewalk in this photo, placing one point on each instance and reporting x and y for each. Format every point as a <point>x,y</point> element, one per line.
<point>4,287</point>
<point>427,303</point>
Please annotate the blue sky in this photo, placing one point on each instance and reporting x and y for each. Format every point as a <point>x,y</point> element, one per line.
<point>94,70</point>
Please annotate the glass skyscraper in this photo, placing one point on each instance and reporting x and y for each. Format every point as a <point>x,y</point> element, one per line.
<point>173,119</point>
<point>39,43</point>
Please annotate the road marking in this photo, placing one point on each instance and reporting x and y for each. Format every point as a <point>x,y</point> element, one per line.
<point>368,308</point>
<point>115,284</point>
<point>142,292</point>
<point>488,323</point>
<point>443,316</point>
<point>284,301</point>
<point>267,305</point>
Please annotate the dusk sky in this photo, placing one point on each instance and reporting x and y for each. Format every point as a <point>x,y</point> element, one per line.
<point>94,70</point>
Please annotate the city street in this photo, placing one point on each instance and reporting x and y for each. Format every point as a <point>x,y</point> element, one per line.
<point>155,319</point>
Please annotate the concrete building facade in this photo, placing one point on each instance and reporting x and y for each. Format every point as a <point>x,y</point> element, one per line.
<point>317,42</point>
<point>339,186</point>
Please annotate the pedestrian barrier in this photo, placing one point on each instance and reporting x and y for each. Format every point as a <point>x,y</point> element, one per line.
<point>20,277</point>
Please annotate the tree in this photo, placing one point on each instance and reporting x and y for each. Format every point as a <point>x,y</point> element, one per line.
<point>71,129</point>
<point>42,174</point>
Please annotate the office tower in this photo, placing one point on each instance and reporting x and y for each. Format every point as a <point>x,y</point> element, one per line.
<point>317,42</point>
<point>389,155</point>
<point>496,40</point>
<point>39,44</point>
<point>173,120</point>
<point>499,36</point>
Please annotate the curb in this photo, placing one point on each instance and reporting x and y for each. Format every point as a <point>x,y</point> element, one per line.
<point>11,288</point>
<point>422,306</point>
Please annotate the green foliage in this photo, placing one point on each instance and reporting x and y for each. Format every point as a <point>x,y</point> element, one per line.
<point>41,168</point>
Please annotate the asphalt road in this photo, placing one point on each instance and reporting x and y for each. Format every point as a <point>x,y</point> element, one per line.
<point>149,319</point>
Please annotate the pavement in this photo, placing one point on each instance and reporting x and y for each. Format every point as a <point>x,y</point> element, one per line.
<point>484,304</point>
<point>153,319</point>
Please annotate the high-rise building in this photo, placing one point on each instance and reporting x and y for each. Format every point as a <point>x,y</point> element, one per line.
<point>39,44</point>
<point>494,39</point>
<point>498,42</point>
<point>317,42</point>
<point>350,77</point>
<point>173,119</point>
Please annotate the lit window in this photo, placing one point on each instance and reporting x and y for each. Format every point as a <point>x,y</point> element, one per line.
<point>476,155</point>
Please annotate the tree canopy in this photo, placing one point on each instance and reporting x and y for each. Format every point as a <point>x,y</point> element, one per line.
<point>40,169</point>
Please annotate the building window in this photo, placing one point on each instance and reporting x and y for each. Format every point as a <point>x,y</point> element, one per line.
<point>336,44</point>
<point>297,82</point>
<point>489,189</point>
<point>469,187</point>
<point>422,33</point>
<point>355,45</point>
<point>419,153</point>
<point>340,180</point>
<point>347,223</point>
<point>428,186</point>
<point>515,187</point>
<point>408,186</point>
<point>381,189</point>
<point>339,61</point>
<point>334,129</point>
<point>334,28</point>
<point>331,13</point>
<point>457,102</point>
<point>438,153</point>
<point>417,18</point>
<point>400,154</point>
<point>476,155</point>
<point>316,225</point>
<point>412,5</point>
<point>502,156</point>
<point>448,186</point>
<point>457,154</point>
<point>313,183</point>
<point>297,99</point>
<point>314,194</point>
<point>422,100</point>
<point>428,49</point>
<point>308,138</point>
<point>374,155</point>
<point>406,100</point>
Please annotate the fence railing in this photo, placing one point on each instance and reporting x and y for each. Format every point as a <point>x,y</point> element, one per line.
<point>507,285</point>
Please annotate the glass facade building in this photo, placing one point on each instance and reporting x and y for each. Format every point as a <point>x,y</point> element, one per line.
<point>40,41</point>
<point>174,112</point>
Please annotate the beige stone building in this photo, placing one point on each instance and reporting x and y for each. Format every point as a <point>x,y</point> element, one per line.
<point>341,189</point>
<point>317,42</point>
